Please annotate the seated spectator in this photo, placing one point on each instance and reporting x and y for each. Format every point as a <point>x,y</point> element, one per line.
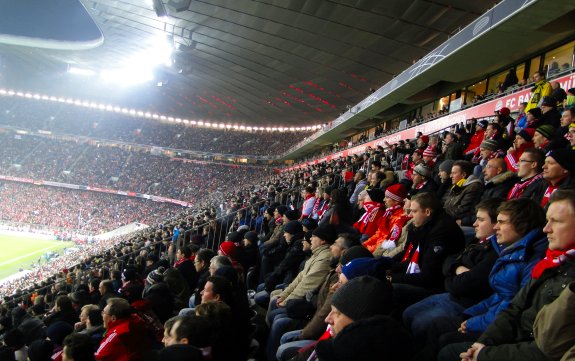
<point>529,174</point>
<point>464,194</point>
<point>523,140</point>
<point>510,335</point>
<point>368,223</point>
<point>431,238</point>
<point>444,179</point>
<point>422,180</point>
<point>94,324</point>
<point>185,265</point>
<point>466,279</point>
<point>313,273</point>
<point>202,265</point>
<point>391,222</point>
<point>543,136</point>
<point>550,114</point>
<point>498,180</point>
<point>356,327</point>
<point>78,347</point>
<point>558,172</point>
<point>126,336</point>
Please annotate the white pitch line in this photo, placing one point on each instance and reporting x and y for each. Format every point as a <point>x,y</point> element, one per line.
<point>26,255</point>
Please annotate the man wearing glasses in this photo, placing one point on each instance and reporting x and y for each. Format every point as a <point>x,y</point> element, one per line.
<point>530,174</point>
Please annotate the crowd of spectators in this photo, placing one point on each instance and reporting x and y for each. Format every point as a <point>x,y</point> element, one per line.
<point>78,121</point>
<point>453,246</point>
<point>123,169</point>
<point>88,212</point>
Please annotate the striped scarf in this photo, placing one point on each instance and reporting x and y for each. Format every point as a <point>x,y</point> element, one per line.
<point>552,259</point>
<point>520,187</point>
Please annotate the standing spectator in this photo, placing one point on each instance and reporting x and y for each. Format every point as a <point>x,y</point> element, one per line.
<point>541,89</point>
<point>308,193</point>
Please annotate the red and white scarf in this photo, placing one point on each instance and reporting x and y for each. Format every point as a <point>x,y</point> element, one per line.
<point>413,266</point>
<point>390,210</point>
<point>552,259</point>
<point>549,191</point>
<point>520,187</point>
<point>371,209</point>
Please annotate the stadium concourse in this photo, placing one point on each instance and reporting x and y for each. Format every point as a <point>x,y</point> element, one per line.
<point>455,243</point>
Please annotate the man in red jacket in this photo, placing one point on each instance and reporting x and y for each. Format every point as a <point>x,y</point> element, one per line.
<point>126,338</point>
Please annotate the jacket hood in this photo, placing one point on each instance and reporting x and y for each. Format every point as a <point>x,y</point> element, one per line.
<point>470,180</point>
<point>501,178</point>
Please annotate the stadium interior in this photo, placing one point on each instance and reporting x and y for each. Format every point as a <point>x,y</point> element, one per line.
<point>287,180</point>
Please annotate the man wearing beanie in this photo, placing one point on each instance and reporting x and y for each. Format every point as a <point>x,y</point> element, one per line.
<point>359,329</point>
<point>391,222</point>
<point>313,273</point>
<point>522,141</point>
<point>422,181</point>
<point>543,135</point>
<point>291,341</point>
<point>558,172</point>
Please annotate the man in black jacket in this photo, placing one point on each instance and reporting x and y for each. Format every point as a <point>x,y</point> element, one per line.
<point>433,235</point>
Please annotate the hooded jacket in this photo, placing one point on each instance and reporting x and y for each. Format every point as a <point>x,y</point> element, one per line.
<point>499,186</point>
<point>461,200</point>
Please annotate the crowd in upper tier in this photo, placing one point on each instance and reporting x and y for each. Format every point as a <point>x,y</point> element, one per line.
<point>78,121</point>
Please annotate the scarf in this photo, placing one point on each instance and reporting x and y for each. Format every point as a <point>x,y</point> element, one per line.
<point>390,210</point>
<point>371,209</point>
<point>420,185</point>
<point>459,183</point>
<point>552,259</point>
<point>549,191</point>
<point>413,266</point>
<point>520,187</point>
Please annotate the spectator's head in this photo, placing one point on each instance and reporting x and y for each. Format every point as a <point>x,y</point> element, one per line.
<point>560,227</point>
<point>14,338</point>
<point>543,134</point>
<point>445,170</point>
<point>374,195</point>
<point>571,134</point>
<point>486,218</point>
<point>58,330</point>
<point>559,164</point>
<point>450,138</point>
<point>421,173</point>
<point>567,117</point>
<point>395,195</point>
<point>183,253</point>
<point>524,136</point>
<point>217,288</point>
<point>538,76</point>
<point>64,304</point>
<point>516,218</point>
<point>487,147</point>
<point>290,215</point>
<point>461,169</point>
<point>360,298</point>
<point>423,207</point>
<point>116,309</point>
<point>548,103</point>
<point>168,339</point>
<point>429,154</point>
<point>530,163</point>
<point>308,224</point>
<point>343,242</point>
<point>227,249</point>
<point>493,168</point>
<point>492,131</point>
<point>291,229</point>
<point>191,330</point>
<point>41,350</point>
<point>202,260</point>
<point>323,235</point>
<point>78,347</point>
<point>218,261</point>
<point>85,311</point>
<point>250,239</point>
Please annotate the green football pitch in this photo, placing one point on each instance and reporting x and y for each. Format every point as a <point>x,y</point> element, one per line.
<point>19,252</point>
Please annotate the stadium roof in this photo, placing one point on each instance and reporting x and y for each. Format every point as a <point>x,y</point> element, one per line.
<point>268,62</point>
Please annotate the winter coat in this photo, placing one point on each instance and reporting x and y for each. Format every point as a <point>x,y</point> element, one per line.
<point>288,268</point>
<point>312,275</point>
<point>499,186</point>
<point>510,335</point>
<point>472,286</point>
<point>436,239</point>
<point>511,272</point>
<point>461,201</point>
<point>554,328</point>
<point>316,326</point>
<point>125,340</point>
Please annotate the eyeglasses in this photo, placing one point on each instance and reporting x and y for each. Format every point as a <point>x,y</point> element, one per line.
<point>526,161</point>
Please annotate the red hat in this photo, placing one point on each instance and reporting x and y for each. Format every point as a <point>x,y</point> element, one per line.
<point>429,152</point>
<point>504,111</point>
<point>397,192</point>
<point>228,249</point>
<point>424,138</point>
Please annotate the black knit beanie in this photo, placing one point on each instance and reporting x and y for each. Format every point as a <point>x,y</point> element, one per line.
<point>360,298</point>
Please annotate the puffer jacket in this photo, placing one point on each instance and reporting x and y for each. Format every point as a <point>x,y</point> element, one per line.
<point>499,186</point>
<point>461,200</point>
<point>511,271</point>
